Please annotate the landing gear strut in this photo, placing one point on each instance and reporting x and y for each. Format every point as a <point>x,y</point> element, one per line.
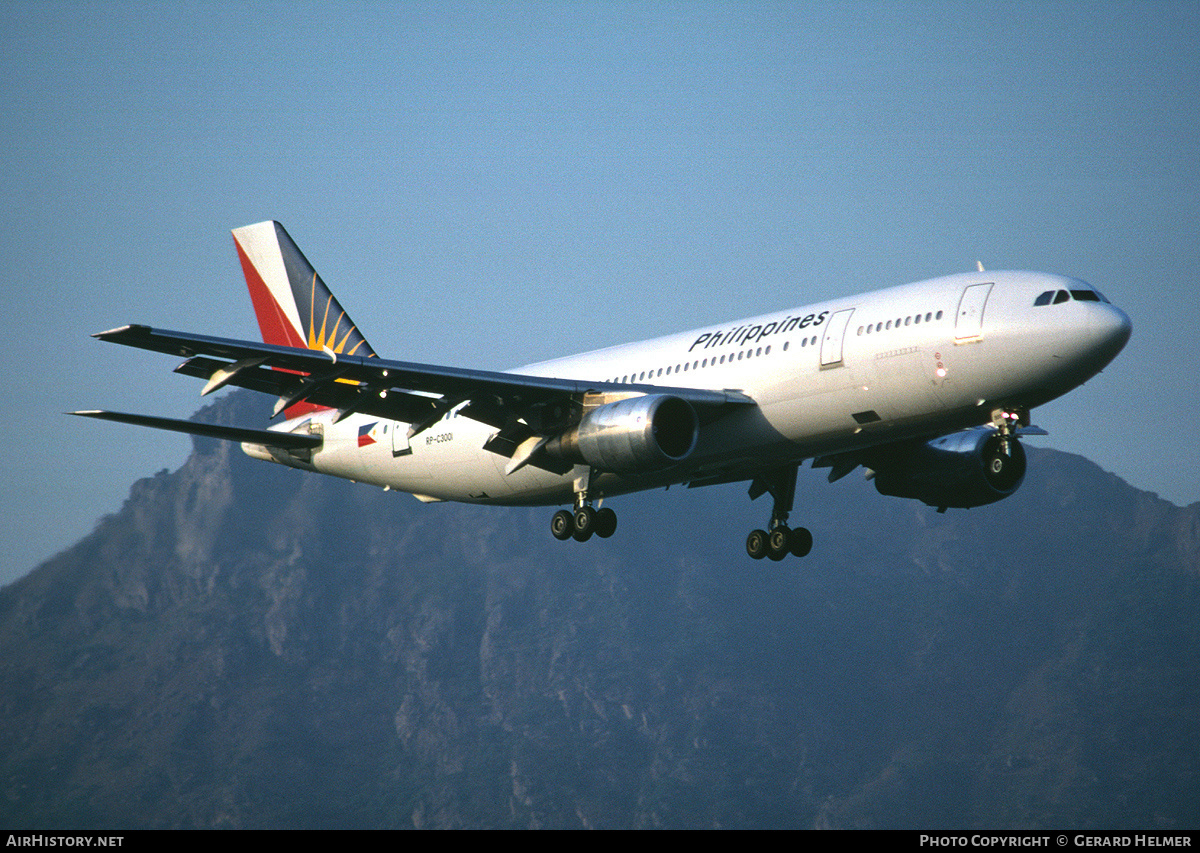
<point>778,540</point>
<point>585,521</point>
<point>1008,421</point>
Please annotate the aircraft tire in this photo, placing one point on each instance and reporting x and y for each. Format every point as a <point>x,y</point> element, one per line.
<point>800,542</point>
<point>562,525</point>
<point>606,522</point>
<point>756,544</point>
<point>778,541</point>
<point>585,523</point>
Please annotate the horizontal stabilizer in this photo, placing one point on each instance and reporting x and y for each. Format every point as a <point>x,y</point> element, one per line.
<point>265,437</point>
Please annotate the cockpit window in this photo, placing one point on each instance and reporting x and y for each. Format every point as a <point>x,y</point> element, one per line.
<point>1057,297</point>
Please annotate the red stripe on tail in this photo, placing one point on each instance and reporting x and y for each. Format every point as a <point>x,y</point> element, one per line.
<point>272,322</point>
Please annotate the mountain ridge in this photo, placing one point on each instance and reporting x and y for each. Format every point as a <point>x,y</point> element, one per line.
<point>242,645</point>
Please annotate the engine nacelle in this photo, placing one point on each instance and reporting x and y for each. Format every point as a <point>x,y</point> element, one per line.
<point>644,433</point>
<point>963,469</point>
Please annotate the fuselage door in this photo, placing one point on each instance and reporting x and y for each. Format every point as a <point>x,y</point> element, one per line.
<point>831,344</point>
<point>969,323</point>
<point>400,445</point>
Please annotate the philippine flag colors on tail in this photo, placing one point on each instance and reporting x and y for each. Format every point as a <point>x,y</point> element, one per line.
<point>293,306</point>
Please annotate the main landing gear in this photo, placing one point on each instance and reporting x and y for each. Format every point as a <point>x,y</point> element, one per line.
<point>585,521</point>
<point>778,540</point>
<point>581,524</point>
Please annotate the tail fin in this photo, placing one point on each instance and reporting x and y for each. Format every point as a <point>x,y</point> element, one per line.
<point>293,305</point>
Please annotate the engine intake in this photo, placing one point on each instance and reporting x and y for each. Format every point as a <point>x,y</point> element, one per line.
<point>964,469</point>
<point>644,433</point>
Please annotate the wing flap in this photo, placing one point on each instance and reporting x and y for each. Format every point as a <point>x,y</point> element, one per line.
<point>395,405</point>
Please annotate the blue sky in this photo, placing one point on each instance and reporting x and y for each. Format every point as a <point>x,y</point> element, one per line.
<point>494,184</point>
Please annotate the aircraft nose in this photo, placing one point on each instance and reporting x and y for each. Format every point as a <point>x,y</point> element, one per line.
<point>1111,329</point>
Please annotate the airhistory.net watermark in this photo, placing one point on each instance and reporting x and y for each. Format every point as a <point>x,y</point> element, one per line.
<point>41,839</point>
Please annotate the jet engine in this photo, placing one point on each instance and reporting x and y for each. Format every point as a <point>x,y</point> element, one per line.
<point>964,469</point>
<point>643,433</point>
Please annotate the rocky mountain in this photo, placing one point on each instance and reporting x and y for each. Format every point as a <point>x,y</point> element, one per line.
<point>242,645</point>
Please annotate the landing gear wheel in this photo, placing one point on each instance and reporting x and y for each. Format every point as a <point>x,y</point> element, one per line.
<point>562,525</point>
<point>606,522</point>
<point>778,541</point>
<point>780,484</point>
<point>585,523</point>
<point>756,544</point>
<point>800,542</point>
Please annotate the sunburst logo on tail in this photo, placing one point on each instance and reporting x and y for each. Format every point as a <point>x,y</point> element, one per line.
<point>285,287</point>
<point>327,338</point>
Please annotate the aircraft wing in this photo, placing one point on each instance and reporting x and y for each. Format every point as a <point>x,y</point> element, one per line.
<point>416,394</point>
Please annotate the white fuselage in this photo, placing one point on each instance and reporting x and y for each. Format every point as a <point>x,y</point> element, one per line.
<point>917,360</point>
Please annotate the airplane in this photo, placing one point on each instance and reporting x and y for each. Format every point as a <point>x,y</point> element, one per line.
<point>928,386</point>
